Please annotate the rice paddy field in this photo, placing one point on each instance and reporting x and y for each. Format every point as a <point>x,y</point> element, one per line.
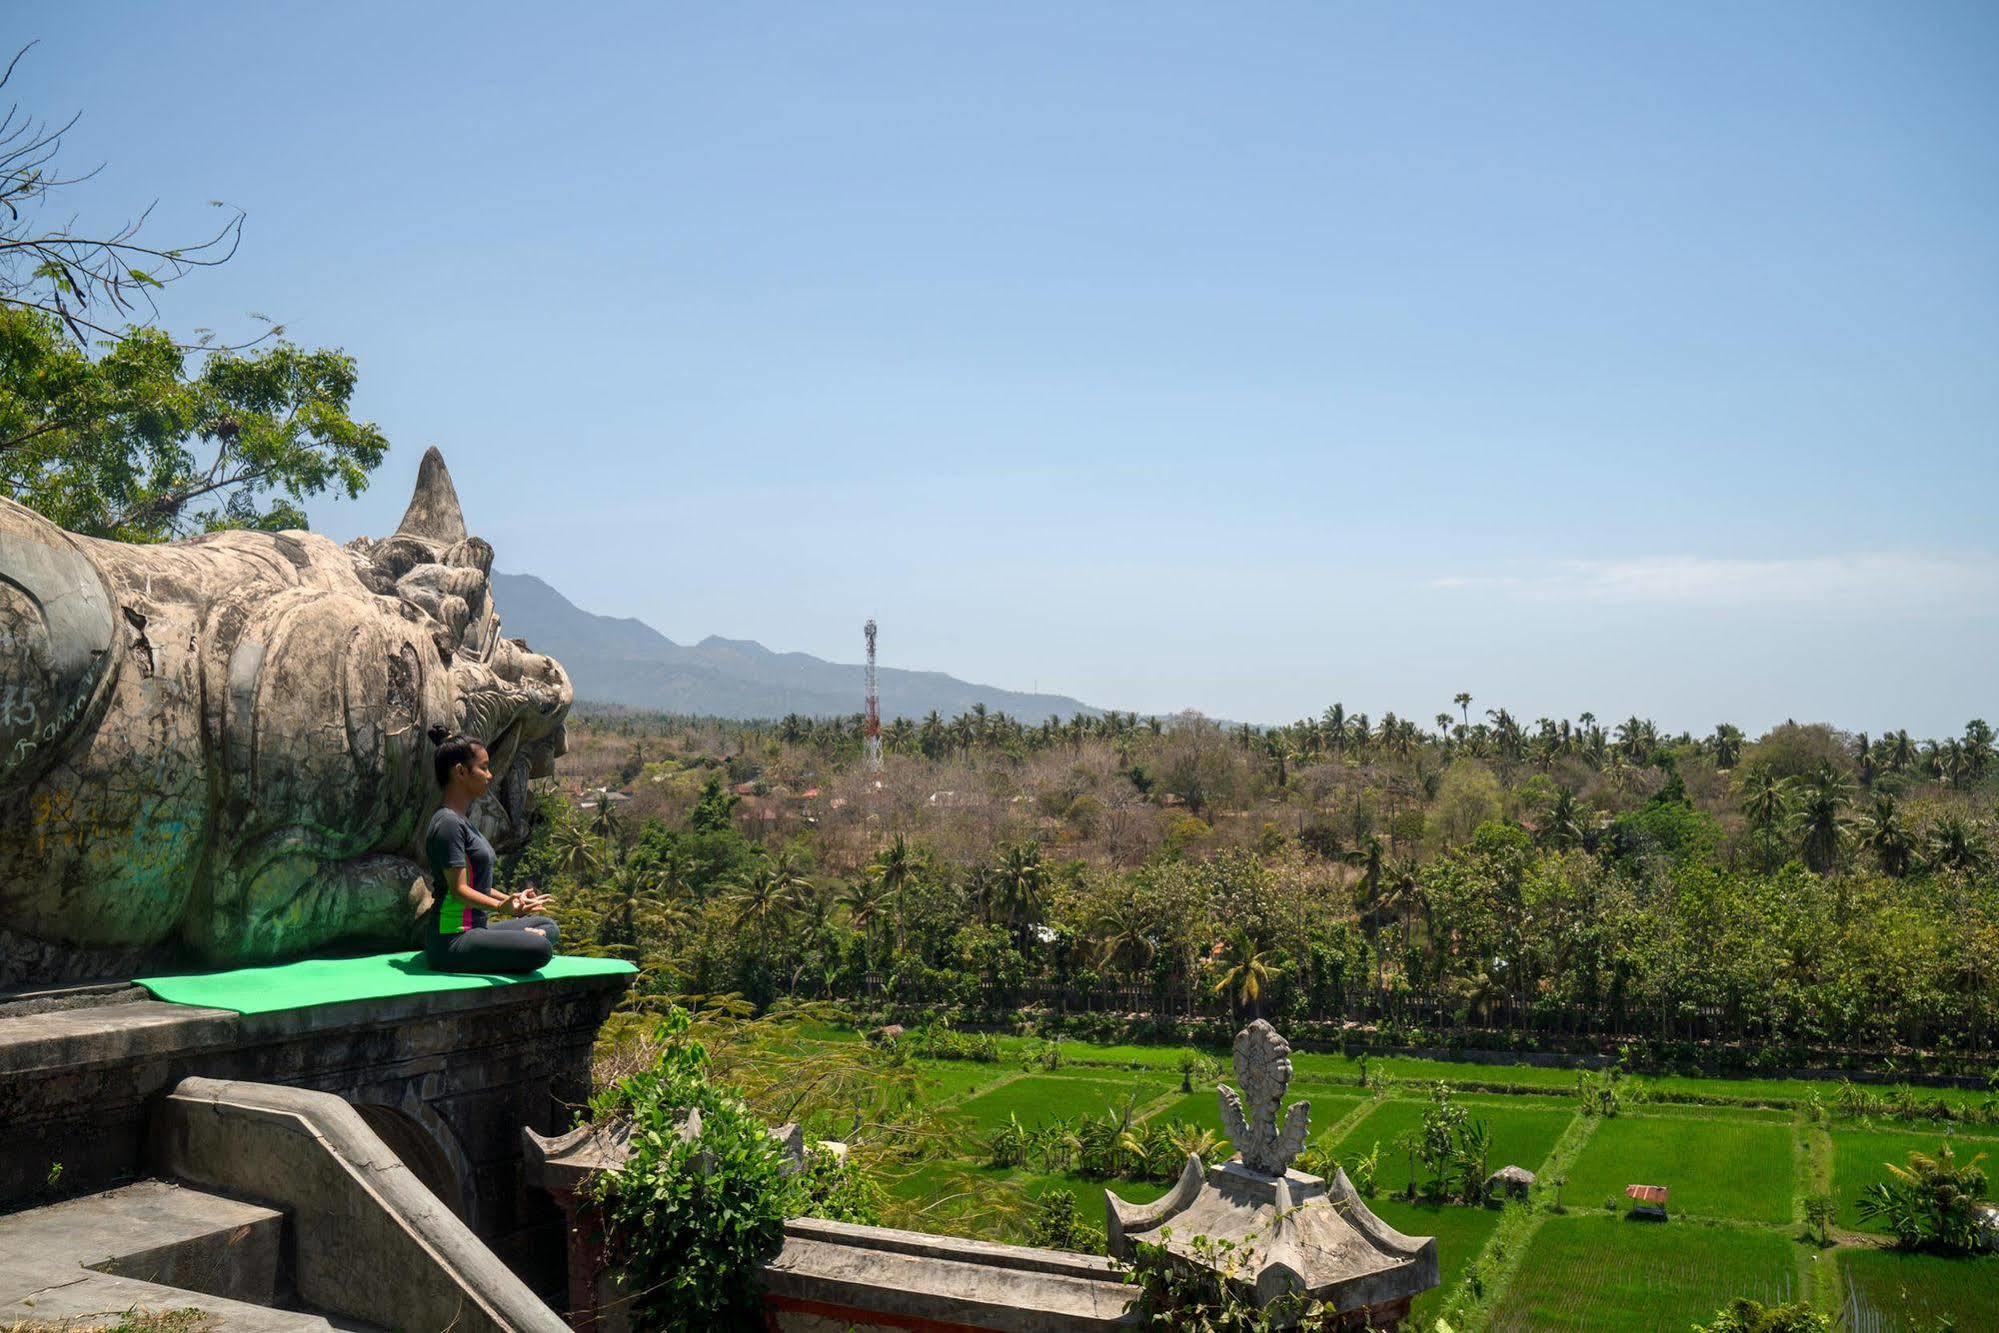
<point>1730,1169</point>
<point>1738,1155</point>
<point>1891,1292</point>
<point>1607,1273</point>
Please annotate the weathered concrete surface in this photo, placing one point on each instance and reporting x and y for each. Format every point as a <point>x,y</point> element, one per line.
<point>150,1246</point>
<point>448,1079</point>
<point>152,1232</point>
<point>831,1275</point>
<point>215,749</point>
<point>369,1240</point>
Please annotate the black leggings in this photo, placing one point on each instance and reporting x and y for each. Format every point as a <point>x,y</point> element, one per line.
<point>503,946</point>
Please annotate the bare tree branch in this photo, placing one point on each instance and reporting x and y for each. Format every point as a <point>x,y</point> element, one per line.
<point>86,278</point>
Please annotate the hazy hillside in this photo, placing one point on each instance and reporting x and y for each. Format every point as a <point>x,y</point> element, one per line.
<point>623,661</point>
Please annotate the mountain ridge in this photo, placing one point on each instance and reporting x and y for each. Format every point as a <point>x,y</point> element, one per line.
<point>623,660</point>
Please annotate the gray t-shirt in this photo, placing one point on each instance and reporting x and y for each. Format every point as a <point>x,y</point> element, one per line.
<point>453,841</point>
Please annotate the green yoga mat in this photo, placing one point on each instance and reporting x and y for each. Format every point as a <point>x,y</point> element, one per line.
<point>316,981</point>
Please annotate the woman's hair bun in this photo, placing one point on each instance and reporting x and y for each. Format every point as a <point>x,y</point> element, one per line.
<point>439,735</point>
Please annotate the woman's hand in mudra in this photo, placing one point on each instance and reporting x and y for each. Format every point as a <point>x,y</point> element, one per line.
<point>526,903</point>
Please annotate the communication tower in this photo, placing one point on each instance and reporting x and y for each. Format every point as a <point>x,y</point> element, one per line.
<point>872,728</point>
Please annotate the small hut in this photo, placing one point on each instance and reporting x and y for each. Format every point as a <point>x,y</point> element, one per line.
<point>1647,1201</point>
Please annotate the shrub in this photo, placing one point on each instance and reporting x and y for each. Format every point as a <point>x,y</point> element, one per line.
<point>1058,1224</point>
<point>689,1221</point>
<point>1746,1316</point>
<point>1210,1295</point>
<point>1008,1144</point>
<point>1932,1203</point>
<point>834,1189</point>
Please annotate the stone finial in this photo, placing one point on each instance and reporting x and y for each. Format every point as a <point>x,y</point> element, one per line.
<point>433,515</point>
<point>1263,1068</point>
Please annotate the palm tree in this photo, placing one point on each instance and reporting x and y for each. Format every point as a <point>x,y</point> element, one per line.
<point>767,894</point>
<point>577,853</point>
<point>1463,701</point>
<point>638,911</point>
<point>864,900</point>
<point>1021,889</point>
<point>1248,971</point>
<point>1953,842</point>
<point>1882,833</point>
<point>894,867</point>
<point>1562,822</point>
<point>1125,935</point>
<point>1763,803</point>
<point>1370,857</point>
<point>1819,820</point>
<point>1402,896</point>
<point>1978,740</point>
<point>1727,746</point>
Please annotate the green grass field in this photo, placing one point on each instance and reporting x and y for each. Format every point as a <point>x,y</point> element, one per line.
<point>1860,1157</point>
<point>1521,1134</point>
<point>948,1079</point>
<point>1603,1273</point>
<point>1038,1097</point>
<point>966,1186</point>
<point>1713,1168</point>
<point>1461,1233</point>
<point>1892,1292</point>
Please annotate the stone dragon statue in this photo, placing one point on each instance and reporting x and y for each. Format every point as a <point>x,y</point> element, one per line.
<point>214,751</point>
<point>1263,1068</point>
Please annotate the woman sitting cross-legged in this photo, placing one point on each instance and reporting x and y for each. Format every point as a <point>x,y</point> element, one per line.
<point>456,934</point>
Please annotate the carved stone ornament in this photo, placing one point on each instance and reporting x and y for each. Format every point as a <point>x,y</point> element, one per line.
<point>1263,1068</point>
<point>1295,1237</point>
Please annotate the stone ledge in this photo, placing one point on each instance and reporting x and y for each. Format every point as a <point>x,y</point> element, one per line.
<point>878,1277</point>
<point>70,1039</point>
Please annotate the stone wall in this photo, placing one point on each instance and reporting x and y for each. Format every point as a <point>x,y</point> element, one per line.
<point>446,1079</point>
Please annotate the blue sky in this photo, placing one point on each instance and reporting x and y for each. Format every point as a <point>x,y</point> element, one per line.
<point>1619,357</point>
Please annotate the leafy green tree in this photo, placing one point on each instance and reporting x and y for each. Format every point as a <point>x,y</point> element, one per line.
<point>1821,1211</point>
<point>113,428</point>
<point>715,809</point>
<point>136,445</point>
<point>691,1219</point>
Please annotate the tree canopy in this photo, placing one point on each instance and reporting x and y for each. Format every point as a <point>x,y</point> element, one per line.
<point>111,426</point>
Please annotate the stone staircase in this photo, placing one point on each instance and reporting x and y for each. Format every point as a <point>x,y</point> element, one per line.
<point>153,1245</point>
<point>272,1209</point>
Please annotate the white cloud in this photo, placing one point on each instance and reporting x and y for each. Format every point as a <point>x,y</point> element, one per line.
<point>1884,578</point>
